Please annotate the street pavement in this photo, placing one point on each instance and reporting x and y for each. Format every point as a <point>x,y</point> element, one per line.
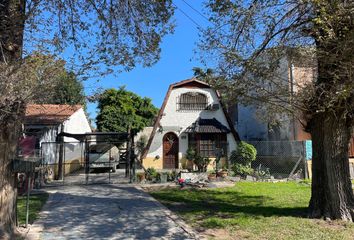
<point>106,211</point>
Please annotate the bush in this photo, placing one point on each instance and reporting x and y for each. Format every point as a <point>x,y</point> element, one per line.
<point>201,163</point>
<point>245,154</point>
<point>242,158</point>
<point>190,154</point>
<point>262,172</point>
<point>242,170</point>
<point>172,176</point>
<point>151,174</point>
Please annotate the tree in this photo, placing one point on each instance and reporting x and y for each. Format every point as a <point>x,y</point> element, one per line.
<point>120,109</point>
<point>252,38</point>
<point>99,34</point>
<point>69,90</point>
<point>51,83</point>
<point>218,82</point>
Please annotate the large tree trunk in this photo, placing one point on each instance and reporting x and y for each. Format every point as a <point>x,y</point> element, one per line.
<point>332,194</point>
<point>331,112</point>
<point>12,17</point>
<point>8,190</point>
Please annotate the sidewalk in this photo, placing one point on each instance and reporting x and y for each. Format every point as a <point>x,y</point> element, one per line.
<point>106,212</point>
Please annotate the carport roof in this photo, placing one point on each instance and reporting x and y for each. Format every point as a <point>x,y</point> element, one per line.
<point>103,136</point>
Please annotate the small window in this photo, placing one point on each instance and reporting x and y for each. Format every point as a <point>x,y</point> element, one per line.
<point>192,101</point>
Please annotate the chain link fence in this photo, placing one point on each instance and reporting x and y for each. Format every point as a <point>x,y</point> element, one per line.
<point>280,159</point>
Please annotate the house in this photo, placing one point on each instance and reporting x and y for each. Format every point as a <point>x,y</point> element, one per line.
<point>191,116</point>
<point>43,123</point>
<point>294,73</point>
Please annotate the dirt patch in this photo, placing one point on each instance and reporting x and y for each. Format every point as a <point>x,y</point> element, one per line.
<point>335,225</point>
<point>152,187</point>
<point>225,234</point>
<point>215,234</point>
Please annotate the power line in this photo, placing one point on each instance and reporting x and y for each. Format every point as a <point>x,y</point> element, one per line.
<point>189,17</point>
<point>201,14</point>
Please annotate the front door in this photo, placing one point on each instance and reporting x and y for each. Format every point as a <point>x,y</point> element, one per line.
<point>170,151</point>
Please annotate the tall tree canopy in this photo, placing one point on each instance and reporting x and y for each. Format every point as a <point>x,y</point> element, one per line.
<point>120,109</point>
<point>69,90</point>
<point>218,82</point>
<point>250,39</point>
<point>94,34</point>
<point>49,82</point>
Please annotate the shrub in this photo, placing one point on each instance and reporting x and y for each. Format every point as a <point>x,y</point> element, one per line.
<point>242,170</point>
<point>245,154</point>
<point>242,158</point>
<point>191,154</point>
<point>172,175</point>
<point>201,163</point>
<point>151,174</point>
<point>262,172</point>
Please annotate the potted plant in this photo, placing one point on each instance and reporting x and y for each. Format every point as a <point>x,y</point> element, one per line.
<point>223,173</point>
<point>212,176</point>
<point>201,163</point>
<point>140,176</point>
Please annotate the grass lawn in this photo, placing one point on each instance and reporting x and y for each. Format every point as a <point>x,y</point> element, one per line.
<point>252,211</point>
<point>35,205</point>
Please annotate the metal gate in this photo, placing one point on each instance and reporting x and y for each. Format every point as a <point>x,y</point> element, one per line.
<point>91,158</point>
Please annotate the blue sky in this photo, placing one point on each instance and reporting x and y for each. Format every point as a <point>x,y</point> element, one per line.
<point>176,62</point>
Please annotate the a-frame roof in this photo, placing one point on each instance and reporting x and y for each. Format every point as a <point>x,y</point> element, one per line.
<point>191,83</point>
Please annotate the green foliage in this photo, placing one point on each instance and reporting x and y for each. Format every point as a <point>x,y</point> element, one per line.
<point>262,172</point>
<point>36,203</point>
<point>151,174</point>
<point>242,170</point>
<point>245,154</point>
<point>69,90</point>
<point>218,82</point>
<point>172,175</point>
<point>201,163</point>
<point>141,143</point>
<point>190,154</point>
<point>48,81</point>
<point>119,109</point>
<point>242,158</point>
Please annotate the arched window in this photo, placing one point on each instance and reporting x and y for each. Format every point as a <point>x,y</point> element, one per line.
<point>192,101</point>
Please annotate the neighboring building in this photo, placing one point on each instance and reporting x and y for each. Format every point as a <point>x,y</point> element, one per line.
<point>293,74</point>
<point>43,123</point>
<point>191,115</point>
<point>46,121</point>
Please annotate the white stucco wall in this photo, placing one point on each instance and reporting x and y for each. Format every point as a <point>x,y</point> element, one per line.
<point>177,121</point>
<point>76,123</point>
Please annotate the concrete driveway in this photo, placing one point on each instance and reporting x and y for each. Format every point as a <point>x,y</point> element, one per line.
<point>106,212</point>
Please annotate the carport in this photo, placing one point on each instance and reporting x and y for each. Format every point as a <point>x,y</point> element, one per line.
<point>98,151</point>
